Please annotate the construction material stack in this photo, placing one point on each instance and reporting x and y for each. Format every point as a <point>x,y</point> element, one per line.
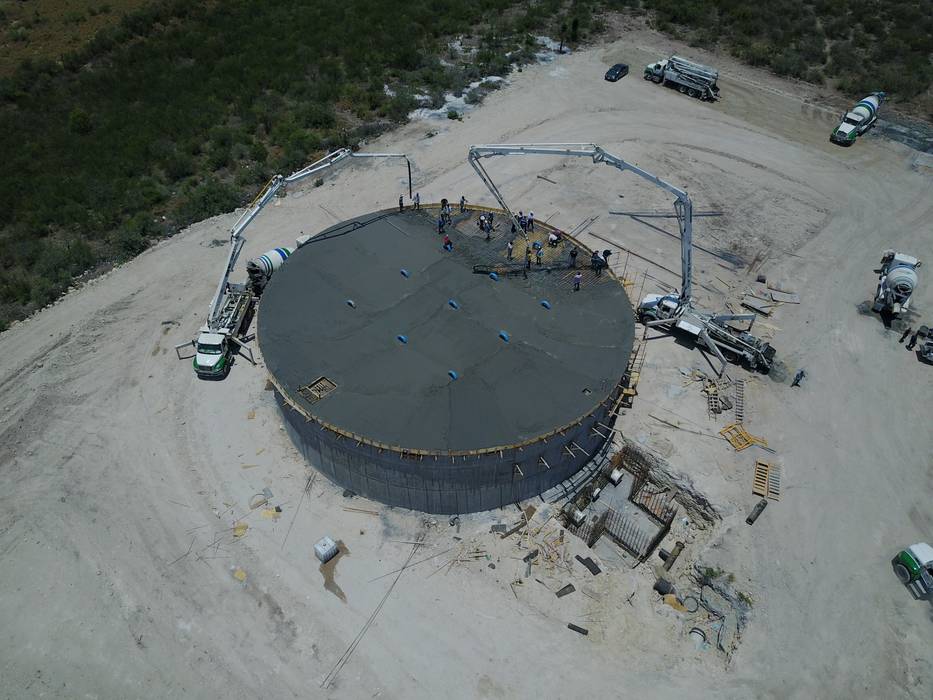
<point>689,77</point>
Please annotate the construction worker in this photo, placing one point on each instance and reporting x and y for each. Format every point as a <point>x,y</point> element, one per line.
<point>539,253</point>
<point>906,333</point>
<point>440,225</point>
<point>798,378</point>
<point>462,204</point>
<point>448,244</point>
<point>531,221</point>
<point>401,204</point>
<point>606,254</point>
<point>417,200</point>
<point>553,239</point>
<point>508,251</point>
<point>577,278</point>
<point>527,258</point>
<point>913,341</point>
<point>596,263</point>
<point>573,257</point>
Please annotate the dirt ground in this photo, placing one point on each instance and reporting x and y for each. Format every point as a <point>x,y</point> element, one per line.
<point>123,478</point>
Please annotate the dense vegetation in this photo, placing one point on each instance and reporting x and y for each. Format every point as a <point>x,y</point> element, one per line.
<point>48,28</point>
<point>180,110</point>
<point>862,45</point>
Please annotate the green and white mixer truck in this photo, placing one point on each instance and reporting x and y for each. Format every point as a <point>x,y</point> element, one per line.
<point>858,121</point>
<point>914,568</point>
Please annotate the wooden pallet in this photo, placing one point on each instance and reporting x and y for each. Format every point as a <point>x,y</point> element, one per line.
<point>767,480</point>
<point>740,438</point>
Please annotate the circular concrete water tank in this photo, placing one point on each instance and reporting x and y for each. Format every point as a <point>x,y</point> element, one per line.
<point>454,419</point>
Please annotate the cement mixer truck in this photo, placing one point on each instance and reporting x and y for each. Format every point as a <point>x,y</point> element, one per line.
<point>914,567</point>
<point>896,282</point>
<point>260,270</point>
<point>857,122</point>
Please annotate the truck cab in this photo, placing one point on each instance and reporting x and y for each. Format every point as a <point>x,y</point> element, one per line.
<point>655,71</point>
<point>212,360</point>
<point>852,125</point>
<point>914,568</point>
<point>656,307</point>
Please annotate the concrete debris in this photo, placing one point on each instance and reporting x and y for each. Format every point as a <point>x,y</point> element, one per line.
<point>727,598</point>
<point>498,528</point>
<point>589,564</point>
<point>756,511</point>
<point>566,590</point>
<point>729,624</point>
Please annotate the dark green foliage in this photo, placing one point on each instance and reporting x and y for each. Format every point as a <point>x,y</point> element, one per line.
<point>864,46</point>
<point>182,110</point>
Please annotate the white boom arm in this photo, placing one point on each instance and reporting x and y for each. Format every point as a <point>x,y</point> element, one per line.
<point>263,198</point>
<point>683,207</point>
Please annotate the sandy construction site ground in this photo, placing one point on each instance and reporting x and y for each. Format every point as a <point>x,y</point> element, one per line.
<point>122,476</point>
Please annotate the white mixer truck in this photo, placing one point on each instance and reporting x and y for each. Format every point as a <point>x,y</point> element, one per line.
<point>260,270</point>
<point>690,77</point>
<point>858,121</point>
<point>896,282</point>
<point>914,567</point>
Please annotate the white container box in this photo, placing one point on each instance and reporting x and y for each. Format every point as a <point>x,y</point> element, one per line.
<point>325,549</point>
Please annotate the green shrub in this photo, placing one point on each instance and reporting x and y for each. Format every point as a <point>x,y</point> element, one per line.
<point>202,201</point>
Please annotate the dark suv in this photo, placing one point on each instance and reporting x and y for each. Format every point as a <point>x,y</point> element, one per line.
<point>619,70</point>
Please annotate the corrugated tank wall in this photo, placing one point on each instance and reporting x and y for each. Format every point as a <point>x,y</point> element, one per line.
<point>445,484</point>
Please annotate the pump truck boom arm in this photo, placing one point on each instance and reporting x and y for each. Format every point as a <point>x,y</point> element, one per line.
<point>674,313</point>
<point>262,199</point>
<point>683,207</point>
